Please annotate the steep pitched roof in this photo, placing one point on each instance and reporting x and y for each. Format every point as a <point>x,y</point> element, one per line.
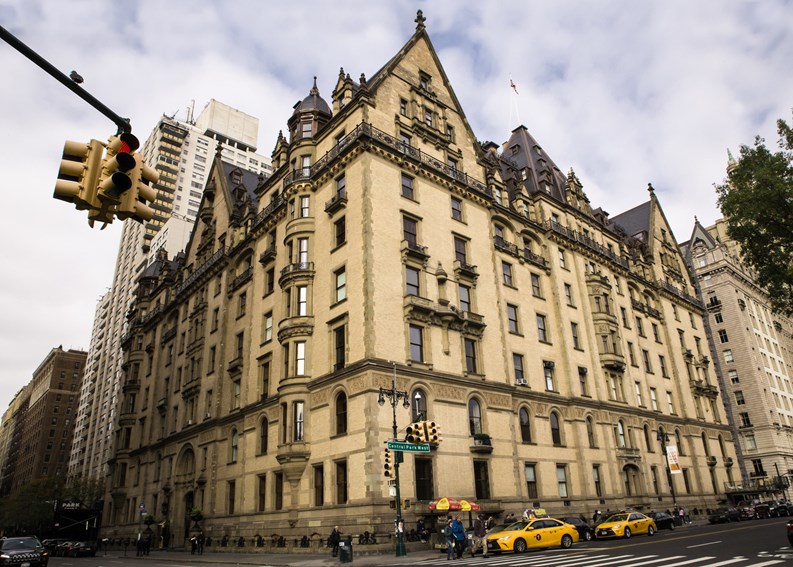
<point>635,220</point>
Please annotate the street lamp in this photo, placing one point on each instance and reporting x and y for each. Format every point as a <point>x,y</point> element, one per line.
<point>394,396</point>
<point>663,439</point>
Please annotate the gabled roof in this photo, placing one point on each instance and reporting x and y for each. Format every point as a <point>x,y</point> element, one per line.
<point>524,153</point>
<point>635,220</point>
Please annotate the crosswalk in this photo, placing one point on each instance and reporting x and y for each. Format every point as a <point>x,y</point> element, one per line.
<point>597,559</point>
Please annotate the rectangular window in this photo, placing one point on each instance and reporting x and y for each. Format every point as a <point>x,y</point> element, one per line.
<point>723,336</point>
<point>465,297</point>
<point>460,251</point>
<point>751,442</point>
<point>624,314</point>
<point>341,284</point>
<point>416,343</point>
<point>639,326</point>
<point>341,482</point>
<point>428,117</point>
<point>561,479</point>
<point>568,295</point>
<point>656,333</point>
<point>302,250</point>
<point>215,318</point>
<point>302,301</point>
<point>340,347</point>
<point>300,358</point>
<point>264,375</point>
<point>596,478</point>
<point>319,485</point>
<point>670,403</point>
<point>631,354</point>
<point>412,281</point>
<point>576,340</point>
<point>648,367</point>
<point>269,285</point>
<point>407,187</point>
<point>506,271</point>
<point>542,331</point>
<point>547,368</point>
<point>733,376</point>
<point>297,411</point>
<point>728,356</point>
<point>457,209</point>
<point>424,479</point>
<point>536,290</point>
<point>340,231</point>
<point>653,399</point>
<point>410,229</point>
<point>582,380</point>
<point>517,364</point>
<point>403,107</point>
<point>512,319</point>
<point>236,394</point>
<point>739,399</point>
<point>638,389</point>
<point>279,491</point>
<point>529,473</point>
<point>470,355</point>
<point>261,492</point>
<point>562,260</point>
<point>481,480</point>
<point>305,205</point>
<point>231,495</point>
<point>662,364</point>
<point>268,327</point>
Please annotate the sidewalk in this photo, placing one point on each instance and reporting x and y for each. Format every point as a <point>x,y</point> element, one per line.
<point>281,559</point>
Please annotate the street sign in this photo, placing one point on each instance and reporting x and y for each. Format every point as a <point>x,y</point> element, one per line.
<point>408,447</point>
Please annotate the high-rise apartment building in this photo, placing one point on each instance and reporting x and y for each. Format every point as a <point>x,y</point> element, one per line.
<point>181,152</point>
<point>561,352</point>
<point>10,435</point>
<point>42,421</point>
<point>753,347</point>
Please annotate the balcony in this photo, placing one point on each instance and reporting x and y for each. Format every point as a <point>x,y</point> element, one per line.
<point>505,246</point>
<point>414,251</point>
<point>482,444</point>
<point>465,269</point>
<point>535,259</point>
<point>338,202</point>
<point>268,255</point>
<point>630,454</point>
<point>295,326</point>
<point>613,361</point>
<point>235,365</point>
<point>241,279</point>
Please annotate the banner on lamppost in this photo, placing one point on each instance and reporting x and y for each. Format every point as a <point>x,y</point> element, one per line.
<point>673,459</point>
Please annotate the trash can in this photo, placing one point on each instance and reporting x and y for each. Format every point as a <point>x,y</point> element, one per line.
<point>345,550</point>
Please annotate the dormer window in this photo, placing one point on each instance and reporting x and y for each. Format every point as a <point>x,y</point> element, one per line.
<point>305,129</point>
<point>424,80</point>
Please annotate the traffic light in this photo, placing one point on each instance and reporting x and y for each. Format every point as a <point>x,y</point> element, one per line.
<point>133,202</point>
<point>388,466</point>
<point>78,175</point>
<point>433,432</point>
<point>117,169</point>
<point>415,433</point>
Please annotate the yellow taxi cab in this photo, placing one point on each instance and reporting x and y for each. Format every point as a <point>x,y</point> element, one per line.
<point>625,524</point>
<point>536,530</point>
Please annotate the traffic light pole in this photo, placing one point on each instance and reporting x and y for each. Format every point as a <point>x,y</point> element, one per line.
<point>394,396</point>
<point>122,123</point>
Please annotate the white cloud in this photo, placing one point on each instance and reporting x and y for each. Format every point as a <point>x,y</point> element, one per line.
<point>626,93</point>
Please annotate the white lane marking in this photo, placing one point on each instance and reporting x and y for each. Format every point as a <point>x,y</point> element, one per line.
<point>703,544</point>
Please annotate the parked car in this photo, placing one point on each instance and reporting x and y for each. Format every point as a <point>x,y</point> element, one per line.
<point>52,544</point>
<point>790,531</point>
<point>762,510</point>
<point>663,521</point>
<point>625,524</point>
<point>82,549</point>
<point>63,548</point>
<point>584,529</point>
<point>724,515</point>
<point>536,532</point>
<point>778,508</point>
<point>23,551</point>
<point>746,511</point>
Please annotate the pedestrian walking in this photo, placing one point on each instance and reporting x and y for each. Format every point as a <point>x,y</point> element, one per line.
<point>459,537</point>
<point>333,541</point>
<point>480,531</point>
<point>449,537</point>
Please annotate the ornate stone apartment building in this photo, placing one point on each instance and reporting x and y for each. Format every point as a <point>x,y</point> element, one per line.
<point>550,342</point>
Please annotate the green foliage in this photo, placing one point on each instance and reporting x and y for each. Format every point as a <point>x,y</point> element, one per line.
<point>31,509</point>
<point>756,200</point>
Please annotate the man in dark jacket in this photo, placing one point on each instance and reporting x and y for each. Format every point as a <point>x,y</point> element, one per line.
<point>333,540</point>
<point>458,530</point>
<point>480,531</point>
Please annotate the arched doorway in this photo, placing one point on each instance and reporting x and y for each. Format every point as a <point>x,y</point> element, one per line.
<point>632,480</point>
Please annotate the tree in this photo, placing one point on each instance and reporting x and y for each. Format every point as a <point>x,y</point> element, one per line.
<point>756,200</point>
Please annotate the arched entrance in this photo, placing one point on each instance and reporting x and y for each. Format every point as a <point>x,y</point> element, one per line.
<point>632,480</point>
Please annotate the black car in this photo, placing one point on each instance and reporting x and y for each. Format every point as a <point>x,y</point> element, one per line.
<point>584,529</point>
<point>82,549</point>
<point>724,515</point>
<point>663,521</point>
<point>18,551</point>
<point>778,508</point>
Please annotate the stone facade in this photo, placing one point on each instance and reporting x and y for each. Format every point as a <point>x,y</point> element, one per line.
<point>549,342</point>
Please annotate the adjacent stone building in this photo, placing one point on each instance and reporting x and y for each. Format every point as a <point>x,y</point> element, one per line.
<point>753,347</point>
<point>551,343</point>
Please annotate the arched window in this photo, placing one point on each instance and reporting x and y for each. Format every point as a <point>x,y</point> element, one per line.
<point>590,432</point>
<point>341,413</point>
<point>556,432</point>
<point>620,434</point>
<point>418,405</point>
<point>525,425</point>
<point>680,449</point>
<point>474,416</point>
<point>263,436</point>
<point>235,440</point>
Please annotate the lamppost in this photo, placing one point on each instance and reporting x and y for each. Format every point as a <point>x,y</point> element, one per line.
<point>663,438</point>
<point>394,396</point>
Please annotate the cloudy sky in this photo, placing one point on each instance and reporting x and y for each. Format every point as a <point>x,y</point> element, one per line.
<point>624,92</point>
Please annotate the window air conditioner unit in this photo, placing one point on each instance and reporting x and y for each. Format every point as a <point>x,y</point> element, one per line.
<point>521,382</point>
